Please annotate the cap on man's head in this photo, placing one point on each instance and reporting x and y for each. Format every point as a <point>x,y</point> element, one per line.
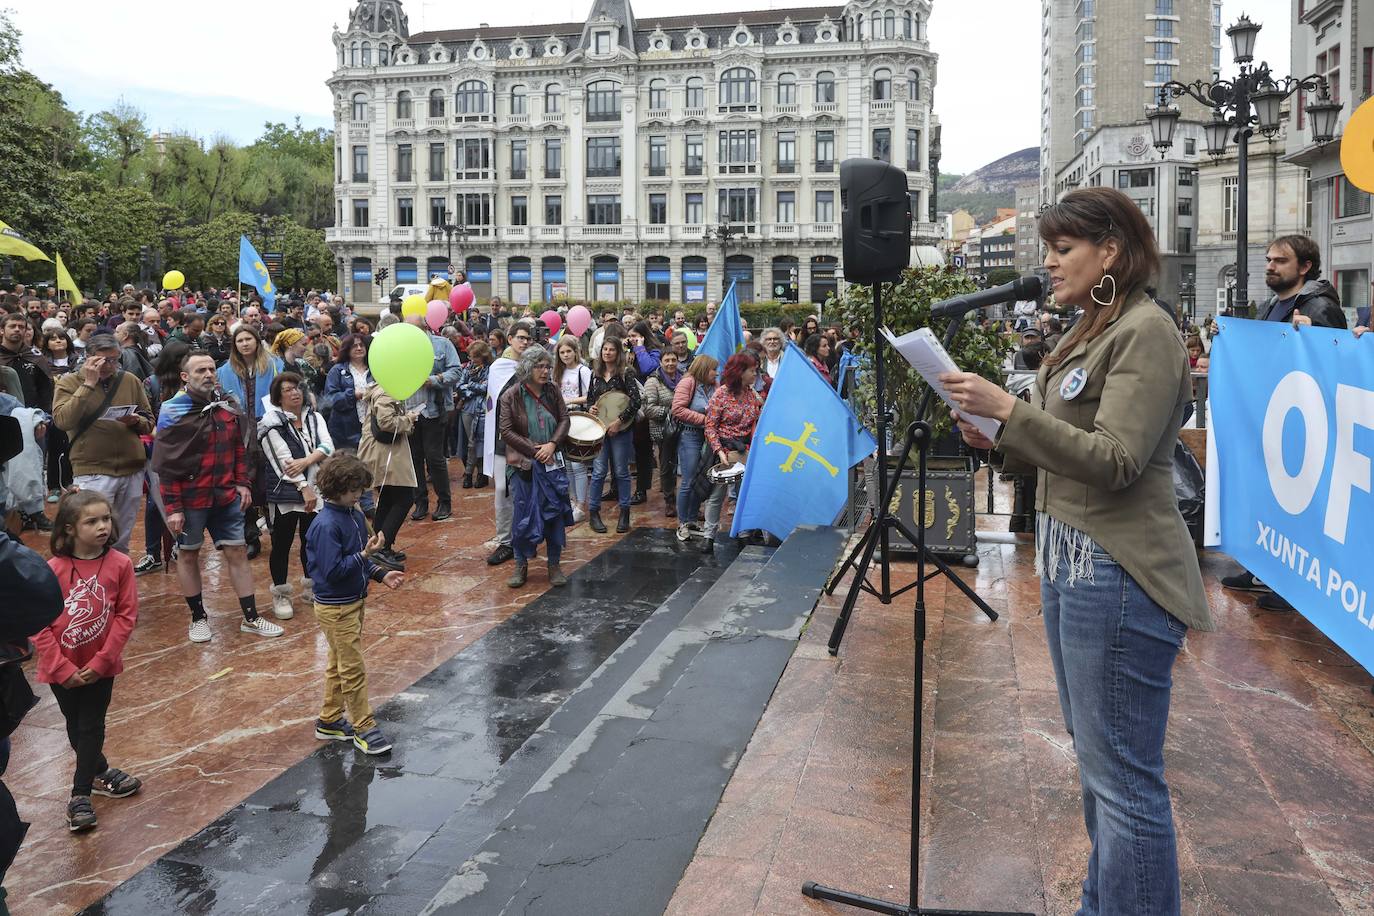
<point>1030,333</point>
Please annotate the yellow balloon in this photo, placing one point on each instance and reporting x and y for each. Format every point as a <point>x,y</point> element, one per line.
<point>173,279</point>
<point>413,304</point>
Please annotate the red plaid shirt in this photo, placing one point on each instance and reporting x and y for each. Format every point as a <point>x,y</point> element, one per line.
<point>223,466</point>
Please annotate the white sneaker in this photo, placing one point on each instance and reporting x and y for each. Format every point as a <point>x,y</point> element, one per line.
<point>281,602</point>
<point>684,533</point>
<point>200,631</point>
<point>261,626</point>
<point>579,515</point>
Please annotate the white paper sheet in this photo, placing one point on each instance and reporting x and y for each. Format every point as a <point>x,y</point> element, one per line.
<point>119,411</point>
<point>927,356</point>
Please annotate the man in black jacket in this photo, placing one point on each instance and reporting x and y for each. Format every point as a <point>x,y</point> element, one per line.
<point>1293,266</point>
<point>33,600</point>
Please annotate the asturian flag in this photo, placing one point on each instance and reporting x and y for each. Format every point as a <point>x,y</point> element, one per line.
<point>253,272</point>
<point>806,440</point>
<point>725,337</point>
<point>65,282</point>
<point>12,243</point>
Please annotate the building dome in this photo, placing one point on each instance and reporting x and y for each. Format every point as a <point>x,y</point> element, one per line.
<point>379,16</point>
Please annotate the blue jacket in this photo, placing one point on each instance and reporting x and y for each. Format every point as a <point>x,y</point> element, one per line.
<point>229,380</point>
<point>344,426</point>
<point>334,558</point>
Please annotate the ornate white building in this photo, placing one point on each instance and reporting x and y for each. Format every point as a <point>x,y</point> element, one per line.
<point>617,160</point>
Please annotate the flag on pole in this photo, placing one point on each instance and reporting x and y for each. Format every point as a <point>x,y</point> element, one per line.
<point>65,281</point>
<point>805,442</point>
<point>12,243</point>
<point>253,272</point>
<point>725,337</point>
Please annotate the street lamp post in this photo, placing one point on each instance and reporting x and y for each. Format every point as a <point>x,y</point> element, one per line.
<point>1252,100</point>
<point>447,229</point>
<point>723,232</point>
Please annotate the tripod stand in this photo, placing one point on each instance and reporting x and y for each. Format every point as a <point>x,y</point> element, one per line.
<point>918,436</point>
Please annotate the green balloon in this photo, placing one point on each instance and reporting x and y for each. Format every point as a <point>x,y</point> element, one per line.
<point>401,358</point>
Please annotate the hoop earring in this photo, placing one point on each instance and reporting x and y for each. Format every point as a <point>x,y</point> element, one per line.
<point>1101,284</point>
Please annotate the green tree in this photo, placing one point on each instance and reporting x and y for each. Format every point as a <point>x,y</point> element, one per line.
<point>115,139</point>
<point>117,222</point>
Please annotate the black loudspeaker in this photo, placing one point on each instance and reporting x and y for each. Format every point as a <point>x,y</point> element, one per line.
<point>875,214</point>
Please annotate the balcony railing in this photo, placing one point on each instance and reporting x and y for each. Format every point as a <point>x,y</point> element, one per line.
<point>694,112</point>
<point>403,124</point>
<point>693,169</point>
<point>657,171</point>
<point>518,174</point>
<point>553,173</point>
<point>436,123</point>
<point>405,178</point>
<point>603,172</point>
<point>789,108</point>
<point>660,113</point>
<point>786,168</point>
<point>737,168</point>
<point>551,117</point>
<point>604,115</point>
<point>880,105</point>
<point>521,118</point>
<point>825,165</point>
<point>659,230</point>
<point>360,178</point>
<point>550,232</point>
<point>824,107</point>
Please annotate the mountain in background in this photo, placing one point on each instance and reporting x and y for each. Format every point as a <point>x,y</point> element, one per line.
<point>994,185</point>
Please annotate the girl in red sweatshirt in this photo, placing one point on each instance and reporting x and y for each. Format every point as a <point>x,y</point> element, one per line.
<point>82,650</point>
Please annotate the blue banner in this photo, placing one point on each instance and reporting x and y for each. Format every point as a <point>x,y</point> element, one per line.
<point>253,272</point>
<point>1293,412</point>
<point>805,442</point>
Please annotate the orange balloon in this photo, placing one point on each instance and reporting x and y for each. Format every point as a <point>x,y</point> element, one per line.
<point>1357,147</point>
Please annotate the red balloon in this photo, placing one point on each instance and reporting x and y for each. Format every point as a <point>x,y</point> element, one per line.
<point>461,298</point>
<point>551,321</point>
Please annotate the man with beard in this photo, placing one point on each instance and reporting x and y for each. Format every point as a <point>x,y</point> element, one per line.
<point>1292,270</point>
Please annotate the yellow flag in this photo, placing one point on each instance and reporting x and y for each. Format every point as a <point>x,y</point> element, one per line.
<point>65,281</point>
<point>12,243</point>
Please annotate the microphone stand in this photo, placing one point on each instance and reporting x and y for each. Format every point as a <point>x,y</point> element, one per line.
<point>918,436</point>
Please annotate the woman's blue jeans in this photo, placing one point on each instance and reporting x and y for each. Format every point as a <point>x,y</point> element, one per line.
<point>1113,649</point>
<point>615,456</point>
<point>688,462</point>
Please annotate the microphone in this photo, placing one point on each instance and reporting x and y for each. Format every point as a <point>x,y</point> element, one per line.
<point>1021,288</point>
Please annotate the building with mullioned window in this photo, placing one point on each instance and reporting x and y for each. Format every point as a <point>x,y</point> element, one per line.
<point>614,159</point>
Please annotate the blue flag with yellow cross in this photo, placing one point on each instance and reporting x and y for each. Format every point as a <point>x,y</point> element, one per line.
<point>253,272</point>
<point>805,442</point>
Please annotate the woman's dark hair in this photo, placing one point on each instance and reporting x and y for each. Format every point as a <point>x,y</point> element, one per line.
<point>340,474</point>
<point>61,542</point>
<point>614,329</point>
<point>812,347</point>
<point>622,365</point>
<point>346,347</point>
<point>1101,215</point>
<point>82,322</point>
<point>732,376</point>
<point>367,325</point>
<point>284,378</point>
<point>55,332</point>
<point>499,335</point>
<point>168,367</point>
<point>643,330</point>
<point>811,325</point>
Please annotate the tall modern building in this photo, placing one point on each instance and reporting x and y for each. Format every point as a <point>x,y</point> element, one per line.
<point>1103,62</point>
<point>617,159</point>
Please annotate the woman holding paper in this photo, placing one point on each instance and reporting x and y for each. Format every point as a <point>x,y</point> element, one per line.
<point>1120,580</point>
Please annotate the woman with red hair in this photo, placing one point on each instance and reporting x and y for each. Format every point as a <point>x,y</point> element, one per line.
<point>731,415</point>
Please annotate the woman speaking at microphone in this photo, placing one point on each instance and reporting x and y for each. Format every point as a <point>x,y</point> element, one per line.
<point>1120,584</point>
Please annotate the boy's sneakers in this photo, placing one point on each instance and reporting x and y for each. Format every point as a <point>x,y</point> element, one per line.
<point>148,564</point>
<point>80,814</point>
<point>372,742</point>
<point>260,626</point>
<point>338,730</point>
<point>200,630</point>
<point>115,783</point>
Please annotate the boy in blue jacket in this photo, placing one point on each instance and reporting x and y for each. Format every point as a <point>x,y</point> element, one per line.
<point>337,559</point>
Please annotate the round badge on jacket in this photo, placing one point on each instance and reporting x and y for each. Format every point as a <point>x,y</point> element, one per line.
<point>1073,384</point>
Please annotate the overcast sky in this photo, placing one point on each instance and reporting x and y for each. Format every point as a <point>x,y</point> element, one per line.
<point>225,68</point>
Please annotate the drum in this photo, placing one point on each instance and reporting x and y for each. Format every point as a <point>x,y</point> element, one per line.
<point>610,406</point>
<point>584,438</point>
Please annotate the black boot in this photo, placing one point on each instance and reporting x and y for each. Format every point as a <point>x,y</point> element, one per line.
<point>442,511</point>
<point>467,481</point>
<point>638,498</point>
<point>594,520</point>
<point>421,512</point>
<point>479,482</point>
<point>623,525</point>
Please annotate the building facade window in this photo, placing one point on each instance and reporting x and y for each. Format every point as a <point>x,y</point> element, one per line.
<point>737,151</point>
<point>471,98</point>
<point>520,210</point>
<point>360,163</point>
<point>603,157</point>
<point>519,159</point>
<point>658,156</point>
<point>825,151</point>
<point>474,211</point>
<point>602,43</point>
<point>518,100</point>
<point>787,207</point>
<point>360,214</point>
<point>405,212</point>
<point>692,213</point>
<point>825,206</point>
<point>553,209</point>
<point>696,92</point>
<point>1135,178</point>
<point>913,150</point>
<point>404,109</point>
<point>882,143</point>
<point>694,156</point>
<point>405,162</point>
<point>1353,286</point>
<point>603,209</point>
<point>787,151</point>
<point>825,86</point>
<point>658,209</point>
<point>738,205</point>
<point>787,89</point>
<point>359,107</point>
<point>603,101</point>
<point>1347,200</point>
<point>436,103</point>
<point>553,98</point>
<point>553,158</point>
<point>658,95</point>
<point>474,157</point>
<point>882,84</point>
<point>738,88</point>
<point>438,211</point>
<point>436,162</point>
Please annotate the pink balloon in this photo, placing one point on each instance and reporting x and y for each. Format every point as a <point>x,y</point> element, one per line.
<point>461,298</point>
<point>579,319</point>
<point>435,315</point>
<point>551,321</point>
